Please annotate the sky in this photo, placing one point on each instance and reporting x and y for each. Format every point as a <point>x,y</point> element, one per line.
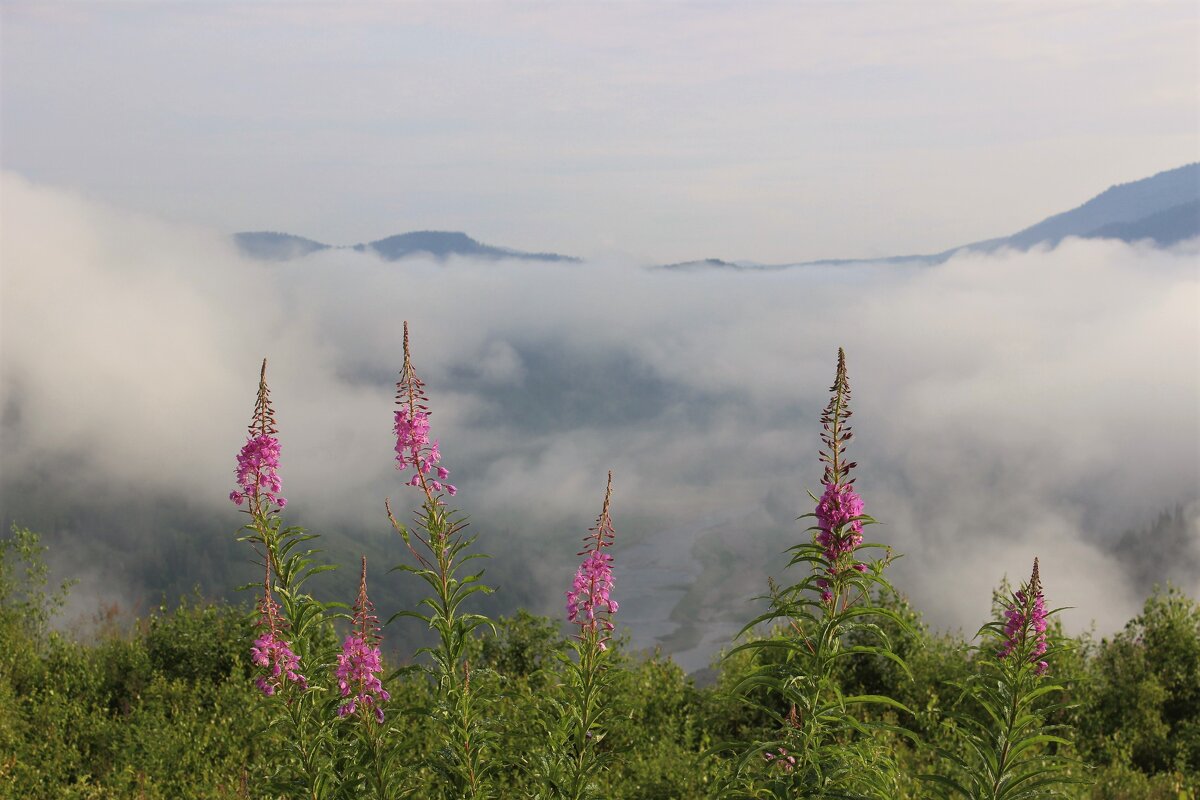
<point>770,132</point>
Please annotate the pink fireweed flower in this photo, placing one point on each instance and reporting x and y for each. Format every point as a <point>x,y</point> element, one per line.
<point>258,461</point>
<point>276,657</point>
<point>1025,621</point>
<point>360,662</point>
<point>258,471</point>
<point>838,507</point>
<point>358,668</point>
<point>784,760</point>
<point>826,595</point>
<point>414,449</point>
<point>271,652</point>
<point>591,591</point>
<point>839,530</point>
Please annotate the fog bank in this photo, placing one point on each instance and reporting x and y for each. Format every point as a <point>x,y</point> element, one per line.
<point>1006,405</point>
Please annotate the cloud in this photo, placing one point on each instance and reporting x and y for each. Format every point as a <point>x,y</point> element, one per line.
<point>1007,405</point>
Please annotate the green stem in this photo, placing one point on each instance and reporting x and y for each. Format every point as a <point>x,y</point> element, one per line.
<point>307,752</point>
<point>587,679</point>
<point>451,688</point>
<point>1009,723</point>
<point>377,755</point>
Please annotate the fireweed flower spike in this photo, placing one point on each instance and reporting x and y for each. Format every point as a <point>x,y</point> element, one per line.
<point>258,462</point>
<point>271,651</point>
<point>831,617</point>
<point>839,509</point>
<point>463,736</point>
<point>360,663</point>
<point>1009,744</point>
<point>1025,621</point>
<point>592,589</point>
<point>413,448</point>
<point>580,728</point>
<point>293,627</point>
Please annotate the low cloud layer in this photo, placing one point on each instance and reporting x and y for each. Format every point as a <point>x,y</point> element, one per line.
<point>1007,405</point>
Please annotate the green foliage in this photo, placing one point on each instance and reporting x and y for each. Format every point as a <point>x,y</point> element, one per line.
<point>822,742</point>
<point>124,717</point>
<point>1144,697</point>
<point>73,730</point>
<point>659,729</point>
<point>935,664</point>
<point>523,647</point>
<point>306,761</point>
<point>578,757</point>
<point>198,642</point>
<point>1006,748</point>
<point>440,549</point>
<point>24,601</point>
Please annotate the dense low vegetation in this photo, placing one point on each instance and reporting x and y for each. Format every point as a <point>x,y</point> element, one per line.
<point>168,709</point>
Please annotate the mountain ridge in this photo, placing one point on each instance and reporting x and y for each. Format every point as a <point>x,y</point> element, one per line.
<point>1163,208</point>
<point>274,246</point>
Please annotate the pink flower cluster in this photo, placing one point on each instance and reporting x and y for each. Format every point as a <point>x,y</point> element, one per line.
<point>414,449</point>
<point>839,506</point>
<point>258,471</point>
<point>358,668</point>
<point>591,592</point>
<point>360,662</point>
<point>1025,620</point>
<point>275,655</point>
<point>840,532</point>
<point>271,651</point>
<point>783,760</point>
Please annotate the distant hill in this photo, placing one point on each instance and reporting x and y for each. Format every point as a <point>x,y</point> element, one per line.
<point>1124,203</point>
<point>272,246</point>
<point>443,244</point>
<point>1164,209</point>
<point>1165,228</point>
<point>708,263</point>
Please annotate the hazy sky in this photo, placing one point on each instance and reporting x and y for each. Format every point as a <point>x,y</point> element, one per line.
<point>668,131</point>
